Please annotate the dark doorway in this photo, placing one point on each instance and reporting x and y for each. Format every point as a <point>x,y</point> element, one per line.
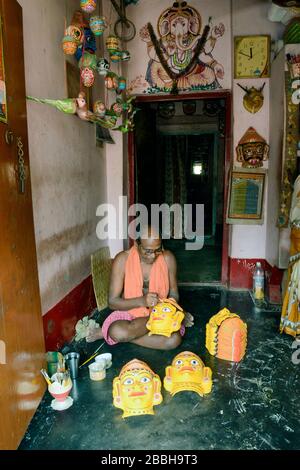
<point>180,158</point>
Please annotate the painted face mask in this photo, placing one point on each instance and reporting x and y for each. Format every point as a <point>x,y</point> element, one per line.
<point>226,336</point>
<point>252,149</point>
<point>165,318</point>
<point>137,389</point>
<point>188,373</point>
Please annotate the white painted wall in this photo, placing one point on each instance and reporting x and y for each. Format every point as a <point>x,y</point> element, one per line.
<point>250,241</point>
<point>68,172</point>
<point>240,17</point>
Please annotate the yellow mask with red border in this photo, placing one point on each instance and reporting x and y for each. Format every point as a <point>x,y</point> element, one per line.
<point>165,318</point>
<point>137,389</point>
<point>188,373</point>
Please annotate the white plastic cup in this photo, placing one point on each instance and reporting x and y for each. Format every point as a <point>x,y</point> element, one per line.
<point>107,357</point>
<point>97,370</point>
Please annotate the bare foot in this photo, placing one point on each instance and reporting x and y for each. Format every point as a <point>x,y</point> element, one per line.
<point>94,334</point>
<point>188,320</point>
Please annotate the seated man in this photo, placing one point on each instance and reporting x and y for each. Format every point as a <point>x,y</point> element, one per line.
<point>139,278</point>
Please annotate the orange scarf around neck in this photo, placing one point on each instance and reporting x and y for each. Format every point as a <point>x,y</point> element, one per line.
<point>133,284</point>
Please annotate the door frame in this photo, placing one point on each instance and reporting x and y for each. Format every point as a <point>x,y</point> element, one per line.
<point>131,164</point>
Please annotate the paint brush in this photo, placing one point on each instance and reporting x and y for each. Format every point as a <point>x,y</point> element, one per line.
<point>92,357</point>
<point>46,376</point>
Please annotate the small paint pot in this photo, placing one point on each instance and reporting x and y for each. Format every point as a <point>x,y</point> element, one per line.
<point>106,357</point>
<point>97,371</point>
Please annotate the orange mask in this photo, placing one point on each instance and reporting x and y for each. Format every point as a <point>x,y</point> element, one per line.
<point>137,389</point>
<point>165,318</point>
<point>188,373</point>
<point>226,336</point>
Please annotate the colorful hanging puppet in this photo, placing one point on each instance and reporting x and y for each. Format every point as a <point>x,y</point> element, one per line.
<point>188,373</point>
<point>165,318</point>
<point>79,106</point>
<point>137,389</point>
<point>226,336</point>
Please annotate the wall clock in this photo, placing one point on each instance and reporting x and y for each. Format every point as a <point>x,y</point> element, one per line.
<point>252,56</point>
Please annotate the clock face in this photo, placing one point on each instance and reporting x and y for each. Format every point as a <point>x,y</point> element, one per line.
<point>252,56</point>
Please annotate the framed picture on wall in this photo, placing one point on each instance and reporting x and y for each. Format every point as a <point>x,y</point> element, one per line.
<point>246,196</point>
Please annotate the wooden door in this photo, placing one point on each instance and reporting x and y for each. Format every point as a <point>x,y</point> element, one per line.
<point>21,333</point>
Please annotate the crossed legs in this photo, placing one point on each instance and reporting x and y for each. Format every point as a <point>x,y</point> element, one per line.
<point>135,332</point>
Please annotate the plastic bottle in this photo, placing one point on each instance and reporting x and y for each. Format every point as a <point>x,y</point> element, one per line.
<point>258,282</point>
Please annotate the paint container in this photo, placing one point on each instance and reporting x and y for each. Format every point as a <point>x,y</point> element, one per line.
<point>52,362</point>
<point>97,370</point>
<point>72,360</point>
<point>106,357</point>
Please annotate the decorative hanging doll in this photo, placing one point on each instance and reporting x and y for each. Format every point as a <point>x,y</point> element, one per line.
<point>87,77</point>
<point>117,109</point>
<point>69,45</point>
<point>75,32</point>
<point>112,44</point>
<point>122,84</point>
<point>68,106</point>
<point>125,56</point>
<point>226,336</point>
<point>115,56</point>
<point>111,81</point>
<point>165,318</point>
<point>137,389</point>
<point>188,373</point>
<point>103,66</point>
<point>88,60</point>
<point>88,6</point>
<point>252,149</point>
<point>99,109</point>
<point>98,25</point>
<point>89,43</point>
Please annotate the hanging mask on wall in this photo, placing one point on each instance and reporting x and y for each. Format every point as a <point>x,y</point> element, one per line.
<point>188,373</point>
<point>253,100</point>
<point>252,149</point>
<point>137,389</point>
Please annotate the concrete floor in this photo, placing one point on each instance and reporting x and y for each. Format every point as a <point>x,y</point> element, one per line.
<point>253,404</point>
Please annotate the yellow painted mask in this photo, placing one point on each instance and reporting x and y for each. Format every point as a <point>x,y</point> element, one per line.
<point>188,373</point>
<point>137,389</point>
<point>165,318</point>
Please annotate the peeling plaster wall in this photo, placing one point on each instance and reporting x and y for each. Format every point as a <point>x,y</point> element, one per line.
<point>68,172</point>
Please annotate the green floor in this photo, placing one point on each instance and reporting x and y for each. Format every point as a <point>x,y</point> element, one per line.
<point>253,405</point>
<point>197,265</point>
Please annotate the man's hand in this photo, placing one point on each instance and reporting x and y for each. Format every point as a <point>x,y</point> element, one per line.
<point>188,319</point>
<point>150,299</point>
